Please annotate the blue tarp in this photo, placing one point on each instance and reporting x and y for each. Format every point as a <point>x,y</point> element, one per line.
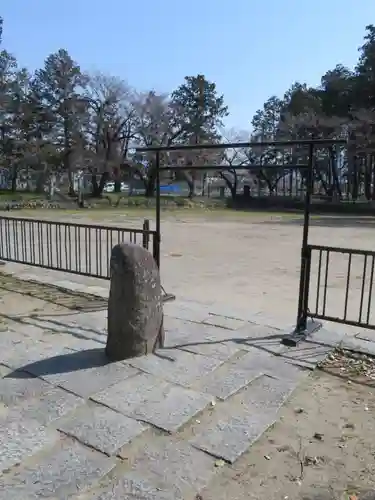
<point>170,188</point>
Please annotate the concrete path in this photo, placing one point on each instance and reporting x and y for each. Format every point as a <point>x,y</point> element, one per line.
<point>157,427</point>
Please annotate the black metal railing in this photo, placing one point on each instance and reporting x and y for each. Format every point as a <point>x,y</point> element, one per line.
<point>338,286</point>
<point>73,248</point>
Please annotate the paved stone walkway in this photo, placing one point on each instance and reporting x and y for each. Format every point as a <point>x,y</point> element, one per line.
<point>157,427</point>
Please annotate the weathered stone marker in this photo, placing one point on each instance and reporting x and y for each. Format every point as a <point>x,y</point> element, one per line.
<point>135,307</point>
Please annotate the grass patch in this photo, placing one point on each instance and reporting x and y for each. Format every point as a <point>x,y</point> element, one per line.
<point>51,293</point>
<point>6,195</point>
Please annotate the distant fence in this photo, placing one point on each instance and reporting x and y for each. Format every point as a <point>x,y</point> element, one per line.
<point>62,246</point>
<point>318,206</point>
<point>339,286</point>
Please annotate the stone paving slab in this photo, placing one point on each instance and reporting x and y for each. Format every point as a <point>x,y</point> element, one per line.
<point>368,336</point>
<point>306,354</point>
<point>187,310</point>
<point>267,393</point>
<point>127,395</point>
<point>12,342</point>
<point>94,379</point>
<point>260,336</point>
<point>172,465</point>
<point>91,321</point>
<point>77,326</point>
<point>172,407</point>
<point>224,322</point>
<point>219,350</point>
<point>79,287</point>
<point>18,386</point>
<point>182,332</point>
<point>101,428</point>
<point>277,320</point>
<point>227,380</point>
<point>77,344</point>
<point>4,370</point>
<point>62,471</point>
<point>84,373</point>
<point>72,339</point>
<point>20,439</point>
<point>229,433</point>
<point>327,337</point>
<point>24,355</point>
<point>175,365</point>
<point>359,345</point>
<point>49,406</point>
<point>278,367</point>
<point>167,469</point>
<point>234,312</point>
<point>158,402</point>
<point>229,439</point>
<point>131,486</point>
<point>53,333</point>
<point>21,327</point>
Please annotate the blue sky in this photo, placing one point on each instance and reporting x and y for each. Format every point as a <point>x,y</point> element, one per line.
<point>251,49</point>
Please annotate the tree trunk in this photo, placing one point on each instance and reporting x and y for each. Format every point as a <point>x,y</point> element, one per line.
<point>335,176</point>
<point>267,181</point>
<point>189,179</point>
<point>71,191</point>
<point>14,179</point>
<point>368,178</point>
<point>98,187</point>
<point>150,187</point>
<point>40,180</point>
<point>116,176</point>
<point>232,186</point>
<point>372,162</point>
<point>94,186</point>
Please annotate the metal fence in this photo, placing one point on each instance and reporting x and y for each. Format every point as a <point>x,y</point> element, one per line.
<point>339,286</point>
<point>62,246</point>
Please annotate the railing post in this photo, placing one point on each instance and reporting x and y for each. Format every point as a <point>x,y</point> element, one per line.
<point>305,280</point>
<point>146,234</point>
<point>305,251</point>
<point>300,331</point>
<point>155,247</point>
<point>157,236</point>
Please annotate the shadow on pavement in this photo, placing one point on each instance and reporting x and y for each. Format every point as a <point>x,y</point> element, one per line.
<point>63,363</point>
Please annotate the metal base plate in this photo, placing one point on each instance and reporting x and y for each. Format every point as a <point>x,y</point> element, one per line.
<point>297,336</point>
<point>168,297</point>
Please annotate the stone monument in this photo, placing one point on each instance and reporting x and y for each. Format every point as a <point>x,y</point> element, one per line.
<point>135,307</point>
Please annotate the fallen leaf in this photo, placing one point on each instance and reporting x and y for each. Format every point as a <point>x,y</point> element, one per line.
<point>219,463</point>
<point>318,436</point>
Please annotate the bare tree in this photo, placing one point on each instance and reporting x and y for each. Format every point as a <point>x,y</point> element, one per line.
<point>156,124</point>
<point>237,159</point>
<point>110,127</point>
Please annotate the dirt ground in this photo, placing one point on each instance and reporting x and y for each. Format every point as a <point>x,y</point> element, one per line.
<point>322,447</point>
<point>250,261</point>
<point>255,263</point>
